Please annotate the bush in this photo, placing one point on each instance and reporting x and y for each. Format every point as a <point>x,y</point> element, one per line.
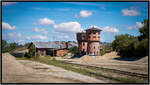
<point>31,52</point>
<point>74,50</point>
<point>125,45</point>
<point>142,48</point>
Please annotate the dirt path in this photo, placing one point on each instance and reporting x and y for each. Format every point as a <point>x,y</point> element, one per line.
<point>26,71</point>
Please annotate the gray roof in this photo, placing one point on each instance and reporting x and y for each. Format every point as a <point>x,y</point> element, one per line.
<point>71,44</point>
<point>56,45</point>
<point>94,28</point>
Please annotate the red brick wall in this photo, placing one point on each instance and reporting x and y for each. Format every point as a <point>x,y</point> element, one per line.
<point>93,47</point>
<point>93,38</point>
<point>93,35</point>
<point>61,52</point>
<point>82,46</point>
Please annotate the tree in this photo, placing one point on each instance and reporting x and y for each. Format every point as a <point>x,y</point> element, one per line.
<point>14,45</point>
<point>125,44</point>
<point>144,30</point>
<point>27,44</point>
<point>4,45</point>
<point>74,50</point>
<point>142,49</point>
<point>31,51</point>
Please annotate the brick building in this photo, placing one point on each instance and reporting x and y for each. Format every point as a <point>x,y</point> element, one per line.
<point>51,48</point>
<point>89,41</point>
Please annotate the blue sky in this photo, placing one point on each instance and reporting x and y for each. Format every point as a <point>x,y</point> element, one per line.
<point>49,21</point>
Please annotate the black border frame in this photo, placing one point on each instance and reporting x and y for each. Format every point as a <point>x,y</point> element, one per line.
<point>75,1</point>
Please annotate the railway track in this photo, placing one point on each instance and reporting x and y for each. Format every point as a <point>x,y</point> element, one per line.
<point>139,75</point>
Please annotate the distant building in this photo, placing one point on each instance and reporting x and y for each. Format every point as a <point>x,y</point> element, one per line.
<point>89,41</point>
<point>52,48</point>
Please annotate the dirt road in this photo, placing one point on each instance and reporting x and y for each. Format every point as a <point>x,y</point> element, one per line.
<point>24,71</point>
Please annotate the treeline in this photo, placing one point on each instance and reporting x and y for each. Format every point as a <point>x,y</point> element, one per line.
<point>9,47</point>
<point>130,46</point>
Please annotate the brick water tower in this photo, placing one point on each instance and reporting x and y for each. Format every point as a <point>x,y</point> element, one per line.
<point>82,42</point>
<point>93,39</point>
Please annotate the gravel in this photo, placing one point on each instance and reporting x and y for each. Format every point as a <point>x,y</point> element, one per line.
<point>26,71</point>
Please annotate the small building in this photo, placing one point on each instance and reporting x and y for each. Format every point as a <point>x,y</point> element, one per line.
<point>51,48</point>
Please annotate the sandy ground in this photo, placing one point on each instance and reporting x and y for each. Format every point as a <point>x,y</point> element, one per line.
<point>108,61</point>
<point>24,71</point>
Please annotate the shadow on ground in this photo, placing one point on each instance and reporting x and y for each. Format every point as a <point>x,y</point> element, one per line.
<point>78,55</point>
<point>127,59</point>
<point>18,55</point>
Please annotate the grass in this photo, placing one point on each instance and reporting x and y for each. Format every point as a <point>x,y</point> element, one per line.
<point>85,70</point>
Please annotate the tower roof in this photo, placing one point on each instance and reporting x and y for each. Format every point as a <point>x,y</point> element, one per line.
<point>94,28</point>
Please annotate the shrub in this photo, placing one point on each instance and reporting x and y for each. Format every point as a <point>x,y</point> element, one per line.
<point>142,48</point>
<point>125,45</point>
<point>74,50</point>
<point>31,52</point>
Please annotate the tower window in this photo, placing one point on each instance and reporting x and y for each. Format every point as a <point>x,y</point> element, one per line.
<point>94,33</point>
<point>94,36</point>
<point>89,37</point>
<point>83,44</point>
<point>94,47</point>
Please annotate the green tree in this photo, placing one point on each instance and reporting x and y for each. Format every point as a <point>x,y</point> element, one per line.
<point>142,48</point>
<point>74,50</point>
<point>13,45</point>
<point>4,45</point>
<point>27,44</point>
<point>125,44</point>
<point>31,52</point>
<point>144,30</point>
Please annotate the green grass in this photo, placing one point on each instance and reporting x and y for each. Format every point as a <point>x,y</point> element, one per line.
<point>130,80</point>
<point>84,70</point>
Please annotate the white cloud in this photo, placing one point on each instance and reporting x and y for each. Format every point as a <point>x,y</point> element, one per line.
<point>46,21</point>
<point>7,26</point>
<point>40,30</point>
<point>63,37</point>
<point>85,13</point>
<point>41,37</point>
<point>8,3</point>
<point>131,12</point>
<point>110,29</point>
<point>137,26</point>
<point>68,27</point>
<point>12,36</point>
<point>28,38</point>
